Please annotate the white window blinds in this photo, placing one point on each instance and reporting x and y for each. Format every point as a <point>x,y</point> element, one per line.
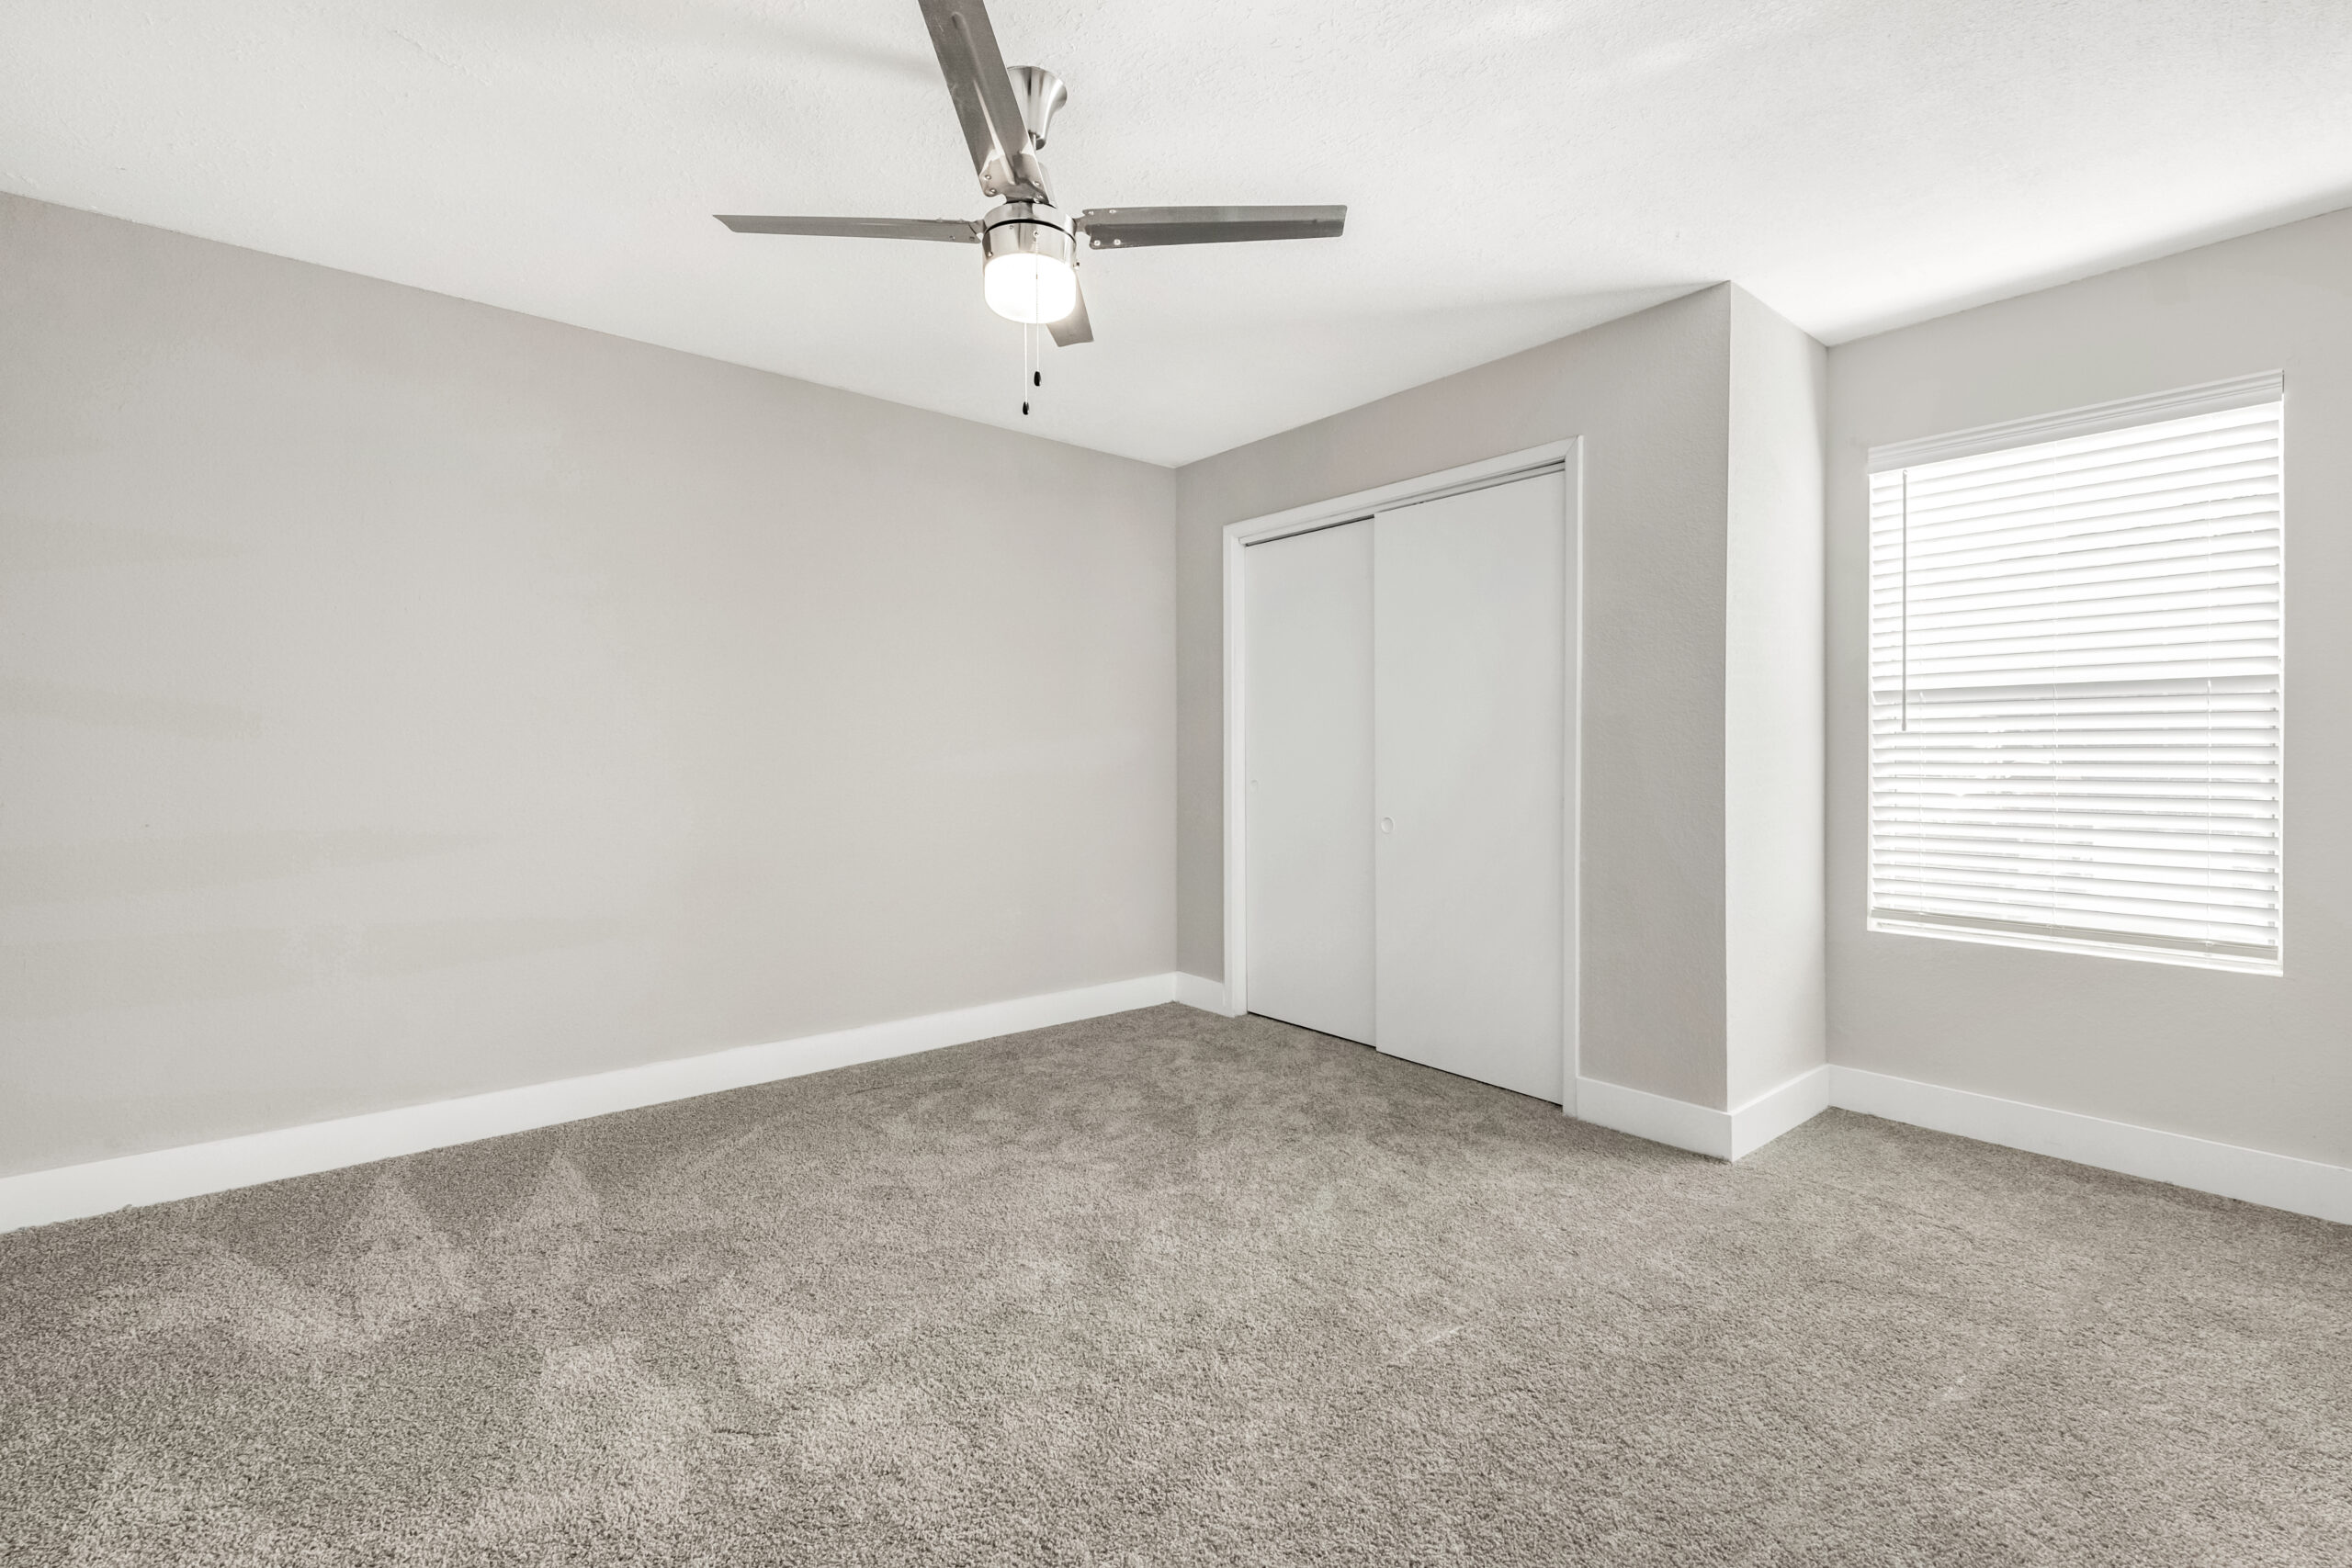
<point>2076,681</point>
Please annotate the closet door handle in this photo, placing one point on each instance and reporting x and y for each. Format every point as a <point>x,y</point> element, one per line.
<point>1388,824</point>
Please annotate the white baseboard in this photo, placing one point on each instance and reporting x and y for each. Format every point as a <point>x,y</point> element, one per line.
<point>1719,1135</point>
<point>44,1197</point>
<point>1778,1111</point>
<point>1206,995</point>
<point>2277,1181</point>
<point>1659,1118</point>
<point>2226,1170</point>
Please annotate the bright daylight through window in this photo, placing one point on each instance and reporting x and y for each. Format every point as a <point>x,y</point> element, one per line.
<point>2076,681</point>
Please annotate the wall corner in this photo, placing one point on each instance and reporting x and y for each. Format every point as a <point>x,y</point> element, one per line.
<point>1774,709</point>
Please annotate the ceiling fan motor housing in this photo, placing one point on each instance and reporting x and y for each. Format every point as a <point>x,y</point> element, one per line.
<point>1028,226</point>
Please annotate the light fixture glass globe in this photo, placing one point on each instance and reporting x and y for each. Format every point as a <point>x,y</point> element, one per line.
<point>1028,286</point>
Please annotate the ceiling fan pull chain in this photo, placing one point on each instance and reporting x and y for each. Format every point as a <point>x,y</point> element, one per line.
<point>1028,355</point>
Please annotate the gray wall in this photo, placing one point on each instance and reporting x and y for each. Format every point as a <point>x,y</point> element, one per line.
<point>2242,1059</point>
<point>1649,396</point>
<point>400,698</point>
<point>1776,999</point>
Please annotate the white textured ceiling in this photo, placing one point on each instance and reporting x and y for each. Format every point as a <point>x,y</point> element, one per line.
<point>1514,171</point>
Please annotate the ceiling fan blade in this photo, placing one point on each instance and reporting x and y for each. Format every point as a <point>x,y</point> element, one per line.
<point>986,104</point>
<point>962,230</point>
<point>1074,327</point>
<point>1126,228</point>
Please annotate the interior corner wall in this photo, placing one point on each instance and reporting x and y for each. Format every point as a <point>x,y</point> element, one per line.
<point>1775,978</point>
<point>401,698</point>
<point>1647,395</point>
<point>2261,1062</point>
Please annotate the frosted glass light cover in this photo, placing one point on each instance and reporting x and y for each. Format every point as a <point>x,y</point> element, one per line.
<point>1022,285</point>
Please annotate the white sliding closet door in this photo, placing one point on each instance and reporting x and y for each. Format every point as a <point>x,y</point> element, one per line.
<point>1307,720</point>
<point>1469,760</point>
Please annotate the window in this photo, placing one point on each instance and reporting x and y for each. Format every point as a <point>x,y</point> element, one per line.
<point>2076,681</point>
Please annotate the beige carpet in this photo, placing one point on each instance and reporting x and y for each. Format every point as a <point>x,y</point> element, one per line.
<point>1168,1289</point>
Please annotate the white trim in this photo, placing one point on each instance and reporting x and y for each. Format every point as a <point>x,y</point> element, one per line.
<point>1778,1111</point>
<point>2226,1170</point>
<point>1345,508</point>
<point>1572,786</point>
<point>1719,1135</point>
<point>1206,995</point>
<point>45,1197</point>
<point>1659,1118</point>
<point>2213,397</point>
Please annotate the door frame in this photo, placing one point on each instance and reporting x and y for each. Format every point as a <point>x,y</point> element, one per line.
<point>1348,509</point>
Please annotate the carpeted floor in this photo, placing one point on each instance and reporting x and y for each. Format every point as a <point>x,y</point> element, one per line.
<point>1170,1289</point>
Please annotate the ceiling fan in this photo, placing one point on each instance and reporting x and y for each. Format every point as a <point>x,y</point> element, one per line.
<point>1028,247</point>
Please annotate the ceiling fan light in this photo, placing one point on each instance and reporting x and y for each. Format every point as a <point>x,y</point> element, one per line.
<point>1029,272</point>
<point>1026,287</point>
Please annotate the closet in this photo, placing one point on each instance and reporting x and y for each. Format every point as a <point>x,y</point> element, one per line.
<point>1405,687</point>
